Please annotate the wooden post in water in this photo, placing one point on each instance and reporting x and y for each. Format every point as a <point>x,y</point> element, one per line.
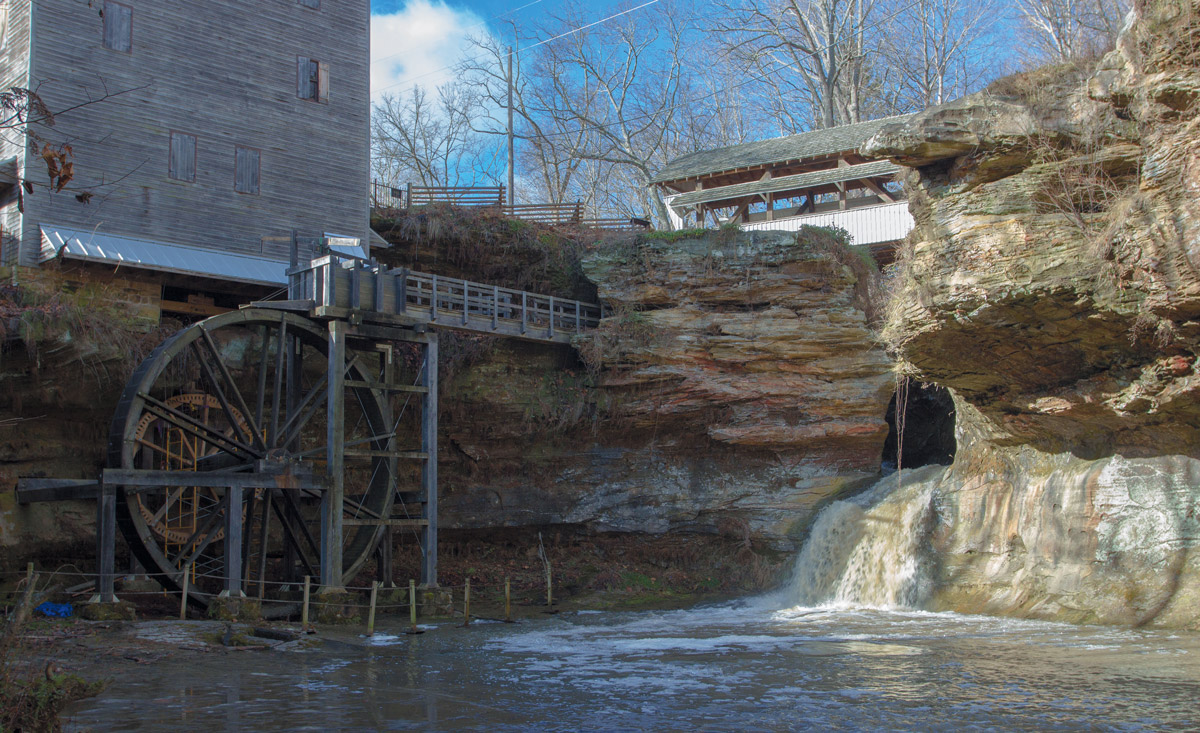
<point>507,602</point>
<point>549,587</point>
<point>24,607</point>
<point>371,613</point>
<point>304,608</point>
<point>412,605</point>
<point>467,603</point>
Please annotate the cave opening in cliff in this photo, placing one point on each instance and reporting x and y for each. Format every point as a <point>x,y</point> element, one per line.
<point>925,435</point>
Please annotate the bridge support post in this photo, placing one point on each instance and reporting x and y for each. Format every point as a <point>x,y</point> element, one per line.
<point>429,429</point>
<point>335,438</point>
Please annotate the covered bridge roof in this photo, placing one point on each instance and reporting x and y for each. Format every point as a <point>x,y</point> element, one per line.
<point>813,144</point>
<point>874,169</point>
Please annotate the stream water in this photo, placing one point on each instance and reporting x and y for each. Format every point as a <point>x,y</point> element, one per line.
<point>728,667</point>
<point>835,650</point>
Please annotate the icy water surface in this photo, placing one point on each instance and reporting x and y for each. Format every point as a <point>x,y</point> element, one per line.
<point>732,667</point>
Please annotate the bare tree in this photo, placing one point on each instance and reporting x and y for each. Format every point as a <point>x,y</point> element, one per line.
<point>1060,30</point>
<point>937,50</point>
<point>814,56</point>
<point>546,143</point>
<point>619,85</point>
<point>431,141</point>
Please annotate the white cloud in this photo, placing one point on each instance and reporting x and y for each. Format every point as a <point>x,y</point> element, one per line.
<point>416,43</point>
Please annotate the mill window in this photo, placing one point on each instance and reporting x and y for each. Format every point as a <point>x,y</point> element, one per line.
<point>183,157</point>
<point>246,170</point>
<point>118,26</point>
<point>312,79</point>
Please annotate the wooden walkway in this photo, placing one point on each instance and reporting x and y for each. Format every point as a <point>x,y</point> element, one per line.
<point>335,287</point>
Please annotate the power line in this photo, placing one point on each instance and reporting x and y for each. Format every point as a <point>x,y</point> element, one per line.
<point>480,24</point>
<point>571,32</point>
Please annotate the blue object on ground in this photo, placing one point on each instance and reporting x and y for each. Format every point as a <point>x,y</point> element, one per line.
<point>59,610</point>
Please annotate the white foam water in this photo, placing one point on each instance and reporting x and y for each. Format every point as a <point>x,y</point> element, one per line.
<point>872,550</point>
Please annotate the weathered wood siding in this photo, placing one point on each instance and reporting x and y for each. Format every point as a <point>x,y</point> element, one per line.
<point>13,73</point>
<point>224,71</point>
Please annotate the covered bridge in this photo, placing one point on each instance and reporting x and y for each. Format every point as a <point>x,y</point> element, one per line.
<point>814,178</point>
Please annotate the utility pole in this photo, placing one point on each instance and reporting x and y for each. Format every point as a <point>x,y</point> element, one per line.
<point>510,126</point>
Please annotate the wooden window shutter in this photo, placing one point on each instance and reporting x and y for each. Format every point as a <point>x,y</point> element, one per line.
<point>323,82</point>
<point>118,26</point>
<point>246,170</point>
<point>306,77</point>
<point>3,25</point>
<point>183,157</point>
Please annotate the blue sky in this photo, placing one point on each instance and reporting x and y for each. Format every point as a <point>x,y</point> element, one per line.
<point>413,40</point>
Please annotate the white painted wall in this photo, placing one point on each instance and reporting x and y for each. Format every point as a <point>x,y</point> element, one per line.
<point>867,225</point>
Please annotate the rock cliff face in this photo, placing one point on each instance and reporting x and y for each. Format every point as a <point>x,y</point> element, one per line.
<point>1052,284</point>
<point>735,388</point>
<point>54,415</point>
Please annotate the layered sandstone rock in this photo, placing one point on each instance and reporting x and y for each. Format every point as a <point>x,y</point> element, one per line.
<point>1053,283</point>
<point>736,387</point>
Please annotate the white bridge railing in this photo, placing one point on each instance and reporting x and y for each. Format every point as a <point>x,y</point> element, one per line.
<point>866,225</point>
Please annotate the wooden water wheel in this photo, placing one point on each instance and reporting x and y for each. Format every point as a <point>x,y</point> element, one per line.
<point>230,420</point>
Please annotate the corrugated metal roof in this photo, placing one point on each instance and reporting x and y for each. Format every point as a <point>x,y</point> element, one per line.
<point>778,150</point>
<point>110,248</point>
<point>874,169</point>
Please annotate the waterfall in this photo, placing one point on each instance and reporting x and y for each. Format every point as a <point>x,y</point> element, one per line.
<point>871,550</point>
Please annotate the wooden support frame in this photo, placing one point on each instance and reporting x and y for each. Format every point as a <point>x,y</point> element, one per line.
<point>429,429</point>
<point>106,544</point>
<point>335,439</point>
<point>233,542</point>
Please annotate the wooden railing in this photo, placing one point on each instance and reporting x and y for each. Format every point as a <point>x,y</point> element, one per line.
<point>336,287</point>
<point>546,213</point>
<point>391,198</point>
<point>616,224</point>
<point>456,195</point>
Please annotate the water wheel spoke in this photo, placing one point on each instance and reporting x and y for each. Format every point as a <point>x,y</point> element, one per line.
<point>261,394</point>
<point>219,392</point>
<point>305,410</point>
<point>263,537</point>
<point>154,446</point>
<point>278,393</point>
<point>172,497</point>
<point>358,508</point>
<point>195,428</point>
<point>290,535</point>
<point>294,507</point>
<point>240,401</point>
<point>201,537</point>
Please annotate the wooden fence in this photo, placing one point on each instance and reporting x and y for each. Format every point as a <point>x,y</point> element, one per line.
<point>455,195</point>
<point>546,213</point>
<point>391,198</point>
